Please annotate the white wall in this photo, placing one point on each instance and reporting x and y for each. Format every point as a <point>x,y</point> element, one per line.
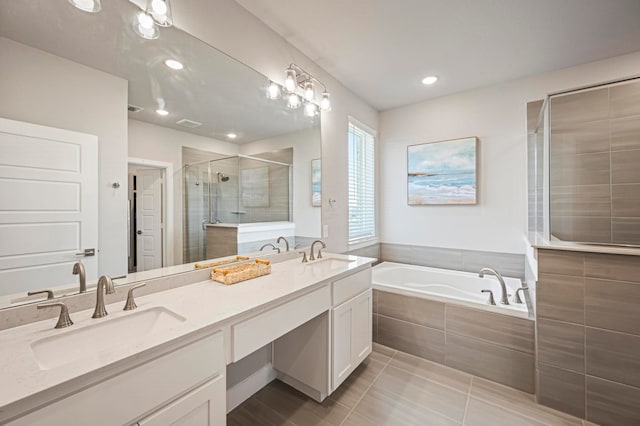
<point>44,89</point>
<point>151,142</point>
<point>306,147</point>
<point>497,116</point>
<point>227,26</point>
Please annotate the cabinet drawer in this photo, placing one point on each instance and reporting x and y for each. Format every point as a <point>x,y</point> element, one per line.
<point>254,333</point>
<point>125,397</point>
<point>348,287</point>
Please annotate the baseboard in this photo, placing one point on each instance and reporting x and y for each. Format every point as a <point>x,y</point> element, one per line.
<point>242,391</point>
<point>305,389</point>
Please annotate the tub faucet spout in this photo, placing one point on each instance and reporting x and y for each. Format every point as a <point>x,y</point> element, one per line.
<point>503,298</point>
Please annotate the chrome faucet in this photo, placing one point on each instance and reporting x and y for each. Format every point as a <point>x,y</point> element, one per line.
<point>285,242</point>
<point>105,284</point>
<point>78,269</point>
<point>64,320</point>
<point>311,254</point>
<point>270,245</point>
<point>503,298</point>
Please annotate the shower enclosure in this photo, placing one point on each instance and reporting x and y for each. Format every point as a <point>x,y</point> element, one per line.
<point>228,192</point>
<point>583,156</point>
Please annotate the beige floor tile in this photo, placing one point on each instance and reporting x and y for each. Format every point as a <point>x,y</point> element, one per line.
<point>251,412</point>
<point>383,350</point>
<point>380,407</point>
<point>425,393</point>
<point>480,413</point>
<point>519,402</point>
<point>298,408</point>
<point>432,371</point>
<point>352,389</point>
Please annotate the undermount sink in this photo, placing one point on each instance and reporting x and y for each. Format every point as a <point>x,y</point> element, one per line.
<point>329,263</point>
<point>76,344</point>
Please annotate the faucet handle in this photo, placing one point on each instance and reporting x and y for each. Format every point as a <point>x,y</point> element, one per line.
<point>64,320</point>
<point>49,293</point>
<point>517,298</point>
<point>491,300</point>
<point>304,256</point>
<point>131,303</point>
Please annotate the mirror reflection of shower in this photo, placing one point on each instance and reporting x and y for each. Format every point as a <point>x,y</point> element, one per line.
<point>233,190</point>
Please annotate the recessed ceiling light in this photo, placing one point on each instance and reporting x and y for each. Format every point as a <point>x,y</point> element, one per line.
<point>91,6</point>
<point>173,64</point>
<point>162,112</point>
<point>232,135</point>
<point>429,80</point>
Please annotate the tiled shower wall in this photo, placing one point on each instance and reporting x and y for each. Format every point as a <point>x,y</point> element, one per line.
<point>594,157</point>
<point>588,335</point>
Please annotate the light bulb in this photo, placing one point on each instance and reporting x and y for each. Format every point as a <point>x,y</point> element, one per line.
<point>162,112</point>
<point>159,7</point>
<point>160,11</point>
<point>294,101</point>
<point>290,82</point>
<point>91,6</point>
<point>144,26</point>
<point>273,91</point>
<point>308,91</point>
<point>310,109</point>
<point>325,103</point>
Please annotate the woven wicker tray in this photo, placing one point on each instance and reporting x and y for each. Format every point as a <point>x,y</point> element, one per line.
<point>246,271</point>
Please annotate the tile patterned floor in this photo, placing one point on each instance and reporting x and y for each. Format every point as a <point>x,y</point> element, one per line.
<point>394,388</point>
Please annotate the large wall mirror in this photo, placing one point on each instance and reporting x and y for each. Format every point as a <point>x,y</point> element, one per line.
<point>212,166</point>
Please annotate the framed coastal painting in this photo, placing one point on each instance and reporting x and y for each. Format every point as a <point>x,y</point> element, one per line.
<point>316,183</point>
<point>442,172</point>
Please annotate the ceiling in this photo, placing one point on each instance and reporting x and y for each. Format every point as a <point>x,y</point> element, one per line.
<point>213,88</point>
<point>381,49</point>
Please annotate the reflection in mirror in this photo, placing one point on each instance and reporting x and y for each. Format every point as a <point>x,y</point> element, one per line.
<point>203,144</point>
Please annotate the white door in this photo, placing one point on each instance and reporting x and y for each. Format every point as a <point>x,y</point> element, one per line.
<point>149,219</point>
<point>48,206</point>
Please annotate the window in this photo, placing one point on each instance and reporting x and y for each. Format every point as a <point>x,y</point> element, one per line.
<point>362,204</point>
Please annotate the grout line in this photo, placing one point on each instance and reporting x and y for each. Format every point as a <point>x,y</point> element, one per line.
<point>466,407</point>
<point>367,389</point>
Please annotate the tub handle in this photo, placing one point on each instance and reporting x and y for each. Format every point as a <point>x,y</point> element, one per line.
<point>491,300</point>
<point>517,298</point>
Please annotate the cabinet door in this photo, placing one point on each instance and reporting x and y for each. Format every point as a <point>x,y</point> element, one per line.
<point>362,327</point>
<point>203,406</point>
<point>342,325</point>
<point>351,335</point>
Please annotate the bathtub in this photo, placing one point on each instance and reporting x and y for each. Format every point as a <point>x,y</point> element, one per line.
<point>448,286</point>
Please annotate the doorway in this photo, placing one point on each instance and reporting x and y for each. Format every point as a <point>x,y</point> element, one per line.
<point>149,214</point>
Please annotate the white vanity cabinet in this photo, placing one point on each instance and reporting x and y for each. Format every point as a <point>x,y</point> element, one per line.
<point>185,386</point>
<point>335,343</point>
<point>351,320</point>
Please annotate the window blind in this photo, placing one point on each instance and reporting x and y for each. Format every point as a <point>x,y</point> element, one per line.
<point>362,206</point>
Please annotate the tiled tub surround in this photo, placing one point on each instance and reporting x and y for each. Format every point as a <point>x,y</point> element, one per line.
<point>588,331</point>
<point>508,264</point>
<point>494,346</point>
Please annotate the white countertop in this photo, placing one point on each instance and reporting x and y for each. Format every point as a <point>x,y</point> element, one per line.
<point>205,305</point>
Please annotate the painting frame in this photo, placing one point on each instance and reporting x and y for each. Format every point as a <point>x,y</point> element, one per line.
<point>443,172</point>
<point>316,182</point>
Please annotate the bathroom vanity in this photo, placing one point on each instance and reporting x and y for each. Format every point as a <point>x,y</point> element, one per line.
<point>165,362</point>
